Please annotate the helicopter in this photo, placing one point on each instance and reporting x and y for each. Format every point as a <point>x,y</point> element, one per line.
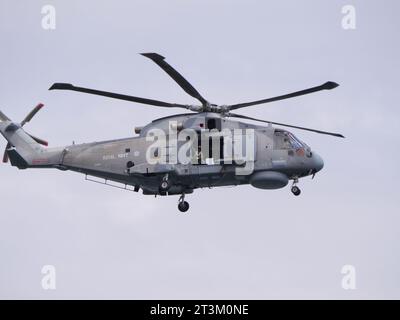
<point>209,146</point>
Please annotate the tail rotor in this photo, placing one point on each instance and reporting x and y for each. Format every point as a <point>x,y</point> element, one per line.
<point>28,118</point>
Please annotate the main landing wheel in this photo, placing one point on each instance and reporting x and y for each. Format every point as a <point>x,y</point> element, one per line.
<point>296,190</point>
<point>183,206</point>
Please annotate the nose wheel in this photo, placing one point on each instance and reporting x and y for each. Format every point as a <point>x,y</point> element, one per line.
<point>295,189</point>
<point>183,205</point>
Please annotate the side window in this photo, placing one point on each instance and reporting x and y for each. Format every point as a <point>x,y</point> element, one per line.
<point>286,142</point>
<point>282,141</point>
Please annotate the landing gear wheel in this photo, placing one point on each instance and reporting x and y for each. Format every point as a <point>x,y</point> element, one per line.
<point>164,186</point>
<point>296,190</point>
<point>183,206</point>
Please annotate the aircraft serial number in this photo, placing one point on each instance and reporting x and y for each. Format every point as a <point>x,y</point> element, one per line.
<point>111,156</point>
<point>108,157</point>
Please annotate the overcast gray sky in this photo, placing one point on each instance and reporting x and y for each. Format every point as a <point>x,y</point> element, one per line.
<point>236,242</point>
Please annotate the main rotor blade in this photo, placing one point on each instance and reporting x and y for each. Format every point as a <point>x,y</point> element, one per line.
<point>5,155</point>
<point>32,114</point>
<point>326,86</point>
<point>179,79</point>
<point>68,86</point>
<point>286,125</point>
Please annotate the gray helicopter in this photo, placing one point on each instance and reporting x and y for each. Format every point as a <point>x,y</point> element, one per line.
<point>175,155</point>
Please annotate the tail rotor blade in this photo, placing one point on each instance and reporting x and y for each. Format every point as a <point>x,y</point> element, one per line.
<point>5,155</point>
<point>32,114</point>
<point>38,140</point>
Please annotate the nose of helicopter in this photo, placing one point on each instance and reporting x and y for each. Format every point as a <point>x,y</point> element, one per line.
<point>318,162</point>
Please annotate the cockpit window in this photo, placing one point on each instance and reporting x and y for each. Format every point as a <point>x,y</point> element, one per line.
<point>296,143</point>
<point>286,140</point>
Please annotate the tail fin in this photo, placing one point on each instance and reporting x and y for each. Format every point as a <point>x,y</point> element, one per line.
<point>23,149</point>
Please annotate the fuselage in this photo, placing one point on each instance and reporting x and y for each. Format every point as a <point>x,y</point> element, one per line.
<point>127,160</point>
<point>189,151</point>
